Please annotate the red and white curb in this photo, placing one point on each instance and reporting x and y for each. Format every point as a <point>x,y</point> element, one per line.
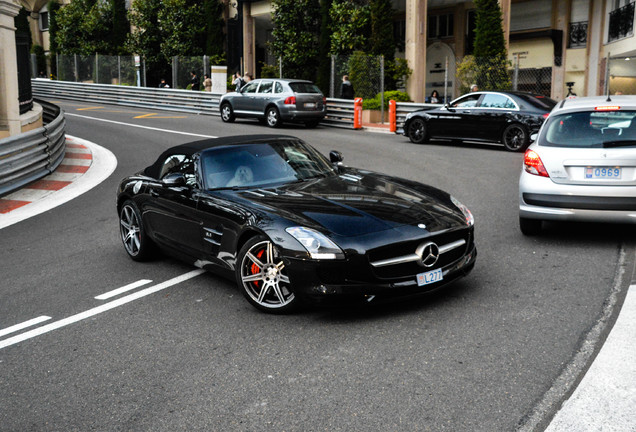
<point>85,165</point>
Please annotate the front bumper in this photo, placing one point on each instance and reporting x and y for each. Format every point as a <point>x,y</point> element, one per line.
<point>325,280</point>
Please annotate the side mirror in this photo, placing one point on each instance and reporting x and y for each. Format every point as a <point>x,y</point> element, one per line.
<point>174,180</point>
<point>335,157</point>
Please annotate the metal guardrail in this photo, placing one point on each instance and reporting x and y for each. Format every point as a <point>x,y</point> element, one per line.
<point>32,155</point>
<point>339,111</point>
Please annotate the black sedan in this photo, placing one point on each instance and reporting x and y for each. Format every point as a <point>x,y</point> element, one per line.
<point>509,118</point>
<point>291,225</point>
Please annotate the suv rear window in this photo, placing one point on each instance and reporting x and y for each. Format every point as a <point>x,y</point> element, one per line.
<point>589,129</point>
<point>299,87</point>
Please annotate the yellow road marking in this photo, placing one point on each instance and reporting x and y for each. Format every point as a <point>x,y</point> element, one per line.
<point>90,108</point>
<point>157,116</point>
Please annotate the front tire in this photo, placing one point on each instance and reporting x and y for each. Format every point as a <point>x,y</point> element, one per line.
<point>273,117</point>
<point>227,113</point>
<point>515,138</point>
<point>262,277</point>
<point>417,131</point>
<point>133,235</point>
<point>530,227</point>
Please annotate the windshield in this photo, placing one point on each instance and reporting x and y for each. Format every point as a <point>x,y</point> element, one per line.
<point>590,129</point>
<point>301,87</point>
<point>260,164</point>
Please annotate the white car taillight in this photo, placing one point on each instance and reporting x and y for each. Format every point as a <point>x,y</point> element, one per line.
<point>532,164</point>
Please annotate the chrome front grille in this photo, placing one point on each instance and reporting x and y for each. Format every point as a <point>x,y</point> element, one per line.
<point>405,259</point>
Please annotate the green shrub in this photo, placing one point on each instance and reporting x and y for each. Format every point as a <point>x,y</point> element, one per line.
<point>376,102</point>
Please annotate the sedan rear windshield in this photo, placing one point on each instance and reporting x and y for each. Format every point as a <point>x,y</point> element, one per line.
<point>588,129</point>
<point>300,87</point>
<point>538,101</point>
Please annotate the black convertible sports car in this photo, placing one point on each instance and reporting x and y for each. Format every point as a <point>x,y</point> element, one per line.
<point>291,225</point>
<point>509,118</point>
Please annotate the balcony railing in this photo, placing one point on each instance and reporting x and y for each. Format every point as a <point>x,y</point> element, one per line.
<point>577,36</point>
<point>621,23</point>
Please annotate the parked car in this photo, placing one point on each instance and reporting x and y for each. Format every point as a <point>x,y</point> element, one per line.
<point>289,225</point>
<point>274,101</point>
<point>509,118</point>
<point>582,166</point>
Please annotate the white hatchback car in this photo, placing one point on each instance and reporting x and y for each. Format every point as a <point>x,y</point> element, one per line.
<point>582,165</point>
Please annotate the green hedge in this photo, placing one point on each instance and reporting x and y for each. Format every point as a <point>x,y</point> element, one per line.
<point>375,103</point>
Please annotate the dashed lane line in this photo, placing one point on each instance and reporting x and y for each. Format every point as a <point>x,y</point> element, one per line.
<point>24,325</point>
<point>98,310</point>
<point>123,289</point>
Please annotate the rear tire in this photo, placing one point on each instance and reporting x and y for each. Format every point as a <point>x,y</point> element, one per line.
<point>273,117</point>
<point>515,138</point>
<point>417,131</point>
<point>530,227</point>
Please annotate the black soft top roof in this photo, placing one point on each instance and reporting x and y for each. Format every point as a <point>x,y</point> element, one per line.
<point>193,147</point>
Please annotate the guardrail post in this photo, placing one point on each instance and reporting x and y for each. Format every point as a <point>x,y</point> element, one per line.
<point>357,113</point>
<point>392,116</point>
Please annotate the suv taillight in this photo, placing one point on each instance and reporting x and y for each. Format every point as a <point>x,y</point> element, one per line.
<point>532,164</point>
<point>291,100</point>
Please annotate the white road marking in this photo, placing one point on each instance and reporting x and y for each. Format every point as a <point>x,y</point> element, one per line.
<point>95,311</point>
<point>123,289</point>
<point>140,126</point>
<point>24,325</point>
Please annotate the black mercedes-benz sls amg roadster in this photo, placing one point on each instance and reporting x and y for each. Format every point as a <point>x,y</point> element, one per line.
<point>291,225</point>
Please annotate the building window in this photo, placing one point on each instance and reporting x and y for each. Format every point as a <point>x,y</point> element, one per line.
<point>44,20</point>
<point>577,34</point>
<point>621,22</point>
<point>399,35</point>
<point>440,26</point>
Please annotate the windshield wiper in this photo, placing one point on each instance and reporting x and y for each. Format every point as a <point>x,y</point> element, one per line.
<point>619,143</point>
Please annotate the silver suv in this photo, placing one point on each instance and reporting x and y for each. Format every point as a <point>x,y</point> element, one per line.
<point>582,166</point>
<point>273,101</point>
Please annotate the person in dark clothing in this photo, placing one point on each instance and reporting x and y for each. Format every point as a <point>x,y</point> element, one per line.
<point>346,88</point>
<point>196,85</point>
<point>163,84</point>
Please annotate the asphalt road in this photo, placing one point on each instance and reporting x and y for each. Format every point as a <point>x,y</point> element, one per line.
<point>196,356</point>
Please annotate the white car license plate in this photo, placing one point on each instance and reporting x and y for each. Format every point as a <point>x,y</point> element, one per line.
<point>429,277</point>
<point>310,105</point>
<point>602,172</point>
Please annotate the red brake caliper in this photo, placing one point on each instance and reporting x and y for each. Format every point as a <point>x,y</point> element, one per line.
<point>254,268</point>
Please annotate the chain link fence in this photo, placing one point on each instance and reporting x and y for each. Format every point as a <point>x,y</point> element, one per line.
<point>365,72</point>
<point>126,70</point>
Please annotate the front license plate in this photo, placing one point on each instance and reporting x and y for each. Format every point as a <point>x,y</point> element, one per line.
<point>602,172</point>
<point>310,105</point>
<point>429,277</point>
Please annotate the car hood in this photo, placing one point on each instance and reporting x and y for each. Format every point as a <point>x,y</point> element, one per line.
<point>358,203</point>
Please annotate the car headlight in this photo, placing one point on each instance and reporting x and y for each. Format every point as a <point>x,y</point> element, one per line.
<point>317,244</point>
<point>470,220</point>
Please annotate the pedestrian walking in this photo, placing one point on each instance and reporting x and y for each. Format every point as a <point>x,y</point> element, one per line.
<point>207,83</point>
<point>194,81</point>
<point>346,88</point>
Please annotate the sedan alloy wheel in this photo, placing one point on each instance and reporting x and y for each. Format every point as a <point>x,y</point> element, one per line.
<point>417,131</point>
<point>262,276</point>
<point>515,138</point>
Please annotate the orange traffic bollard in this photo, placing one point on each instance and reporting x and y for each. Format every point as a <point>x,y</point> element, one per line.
<point>357,113</point>
<point>392,116</point>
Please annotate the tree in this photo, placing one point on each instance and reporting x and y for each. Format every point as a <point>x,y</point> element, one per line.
<point>295,36</point>
<point>214,36</point>
<point>350,22</point>
<point>91,26</point>
<point>324,41</point>
<point>490,56</point>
